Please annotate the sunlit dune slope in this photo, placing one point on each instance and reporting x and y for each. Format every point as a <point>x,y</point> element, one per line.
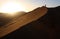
<point>23,20</point>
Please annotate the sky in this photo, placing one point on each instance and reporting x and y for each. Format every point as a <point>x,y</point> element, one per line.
<point>32,4</point>
<point>49,3</point>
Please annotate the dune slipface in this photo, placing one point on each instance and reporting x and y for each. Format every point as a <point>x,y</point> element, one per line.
<point>23,20</point>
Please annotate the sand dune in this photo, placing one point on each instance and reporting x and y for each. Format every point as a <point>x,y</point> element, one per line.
<point>23,20</point>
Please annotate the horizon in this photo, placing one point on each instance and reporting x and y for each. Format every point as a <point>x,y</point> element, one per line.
<point>26,5</point>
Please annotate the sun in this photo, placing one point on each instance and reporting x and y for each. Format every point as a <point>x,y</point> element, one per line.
<point>11,7</point>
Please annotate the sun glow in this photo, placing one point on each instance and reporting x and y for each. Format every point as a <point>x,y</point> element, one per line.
<point>11,7</point>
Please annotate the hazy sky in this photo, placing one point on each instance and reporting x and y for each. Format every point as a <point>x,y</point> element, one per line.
<point>51,3</point>
<point>38,3</point>
<point>32,4</point>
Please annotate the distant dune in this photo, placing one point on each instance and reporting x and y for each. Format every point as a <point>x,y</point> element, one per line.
<point>41,23</point>
<point>6,18</point>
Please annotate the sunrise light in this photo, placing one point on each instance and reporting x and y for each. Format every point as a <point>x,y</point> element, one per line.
<point>11,7</point>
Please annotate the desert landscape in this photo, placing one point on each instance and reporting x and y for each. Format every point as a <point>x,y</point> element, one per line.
<point>16,22</point>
